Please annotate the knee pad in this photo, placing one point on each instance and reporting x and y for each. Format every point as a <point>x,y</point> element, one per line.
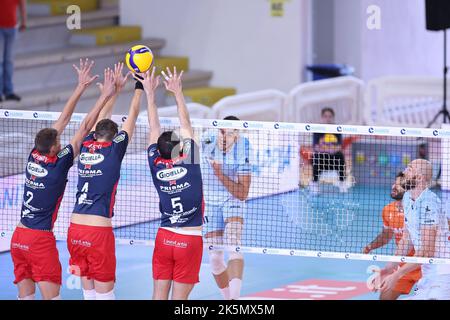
<point>89,294</point>
<point>233,233</point>
<point>105,296</point>
<point>217,262</point>
<point>30,297</point>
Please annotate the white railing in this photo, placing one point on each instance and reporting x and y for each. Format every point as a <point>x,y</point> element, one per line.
<point>403,100</point>
<point>196,111</point>
<point>390,101</point>
<point>343,94</point>
<point>266,105</point>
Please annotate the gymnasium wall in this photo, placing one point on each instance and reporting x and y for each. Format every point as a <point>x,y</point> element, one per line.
<point>238,40</point>
<point>402,46</point>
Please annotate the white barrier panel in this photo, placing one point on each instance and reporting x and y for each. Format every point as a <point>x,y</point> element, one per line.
<point>266,105</point>
<point>196,111</point>
<point>402,100</point>
<point>343,94</point>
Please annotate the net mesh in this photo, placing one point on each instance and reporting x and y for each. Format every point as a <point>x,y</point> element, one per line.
<point>301,197</point>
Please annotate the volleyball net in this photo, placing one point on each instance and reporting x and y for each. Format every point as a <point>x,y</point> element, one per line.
<point>315,190</point>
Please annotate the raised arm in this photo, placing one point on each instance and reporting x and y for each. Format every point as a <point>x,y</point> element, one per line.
<point>130,123</point>
<point>381,240</point>
<point>84,81</point>
<point>107,92</point>
<point>173,84</point>
<point>150,83</point>
<point>120,82</point>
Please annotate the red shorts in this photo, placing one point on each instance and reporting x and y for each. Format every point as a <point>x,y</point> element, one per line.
<point>177,257</point>
<point>92,252</point>
<point>35,256</point>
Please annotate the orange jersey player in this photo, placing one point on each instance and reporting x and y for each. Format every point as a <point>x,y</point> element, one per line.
<point>393,226</point>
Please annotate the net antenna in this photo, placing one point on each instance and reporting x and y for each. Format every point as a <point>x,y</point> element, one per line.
<point>438,19</point>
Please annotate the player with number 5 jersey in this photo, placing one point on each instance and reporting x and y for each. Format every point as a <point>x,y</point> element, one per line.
<point>176,174</point>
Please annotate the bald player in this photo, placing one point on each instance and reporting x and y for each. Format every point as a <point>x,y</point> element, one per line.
<point>426,233</point>
<point>33,245</point>
<point>90,238</point>
<point>175,169</point>
<point>393,226</point>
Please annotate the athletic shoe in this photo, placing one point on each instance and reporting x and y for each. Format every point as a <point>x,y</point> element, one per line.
<point>13,97</point>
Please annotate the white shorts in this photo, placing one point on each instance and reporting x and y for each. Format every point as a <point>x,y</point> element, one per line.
<point>435,288</point>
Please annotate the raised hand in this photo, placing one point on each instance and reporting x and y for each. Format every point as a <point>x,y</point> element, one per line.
<point>149,81</point>
<point>108,88</point>
<point>119,79</point>
<point>84,73</point>
<point>173,80</point>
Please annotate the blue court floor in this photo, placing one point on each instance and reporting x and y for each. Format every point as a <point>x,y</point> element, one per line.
<point>296,220</point>
<point>134,274</point>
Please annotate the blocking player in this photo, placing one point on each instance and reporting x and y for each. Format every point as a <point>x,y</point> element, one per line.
<point>90,238</point>
<point>393,225</point>
<point>33,245</point>
<point>176,174</point>
<point>426,232</point>
<point>226,164</point>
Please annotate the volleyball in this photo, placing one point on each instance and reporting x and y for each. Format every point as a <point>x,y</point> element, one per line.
<point>139,58</point>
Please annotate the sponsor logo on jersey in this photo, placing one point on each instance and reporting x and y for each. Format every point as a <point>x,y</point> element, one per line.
<point>26,213</point>
<point>175,188</point>
<point>171,174</point>
<point>186,147</point>
<point>90,159</point>
<point>119,138</point>
<point>63,152</point>
<point>82,199</point>
<point>33,184</point>
<point>89,173</point>
<point>174,219</point>
<point>36,170</point>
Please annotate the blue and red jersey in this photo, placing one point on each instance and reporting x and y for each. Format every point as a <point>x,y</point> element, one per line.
<point>98,174</point>
<point>45,182</point>
<point>179,185</point>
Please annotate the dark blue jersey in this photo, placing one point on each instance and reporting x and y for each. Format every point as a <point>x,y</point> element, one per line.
<point>98,174</point>
<point>179,185</point>
<point>45,182</point>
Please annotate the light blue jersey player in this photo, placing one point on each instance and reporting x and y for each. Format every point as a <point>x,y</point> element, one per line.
<point>426,232</point>
<point>226,173</point>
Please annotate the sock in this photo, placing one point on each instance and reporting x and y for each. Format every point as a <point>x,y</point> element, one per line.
<point>30,297</point>
<point>105,296</point>
<point>89,294</point>
<point>235,288</point>
<point>58,297</point>
<point>225,293</point>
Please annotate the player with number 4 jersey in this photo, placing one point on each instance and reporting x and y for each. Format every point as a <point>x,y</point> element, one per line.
<point>90,238</point>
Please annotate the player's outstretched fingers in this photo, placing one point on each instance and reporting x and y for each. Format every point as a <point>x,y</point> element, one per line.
<point>169,72</point>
